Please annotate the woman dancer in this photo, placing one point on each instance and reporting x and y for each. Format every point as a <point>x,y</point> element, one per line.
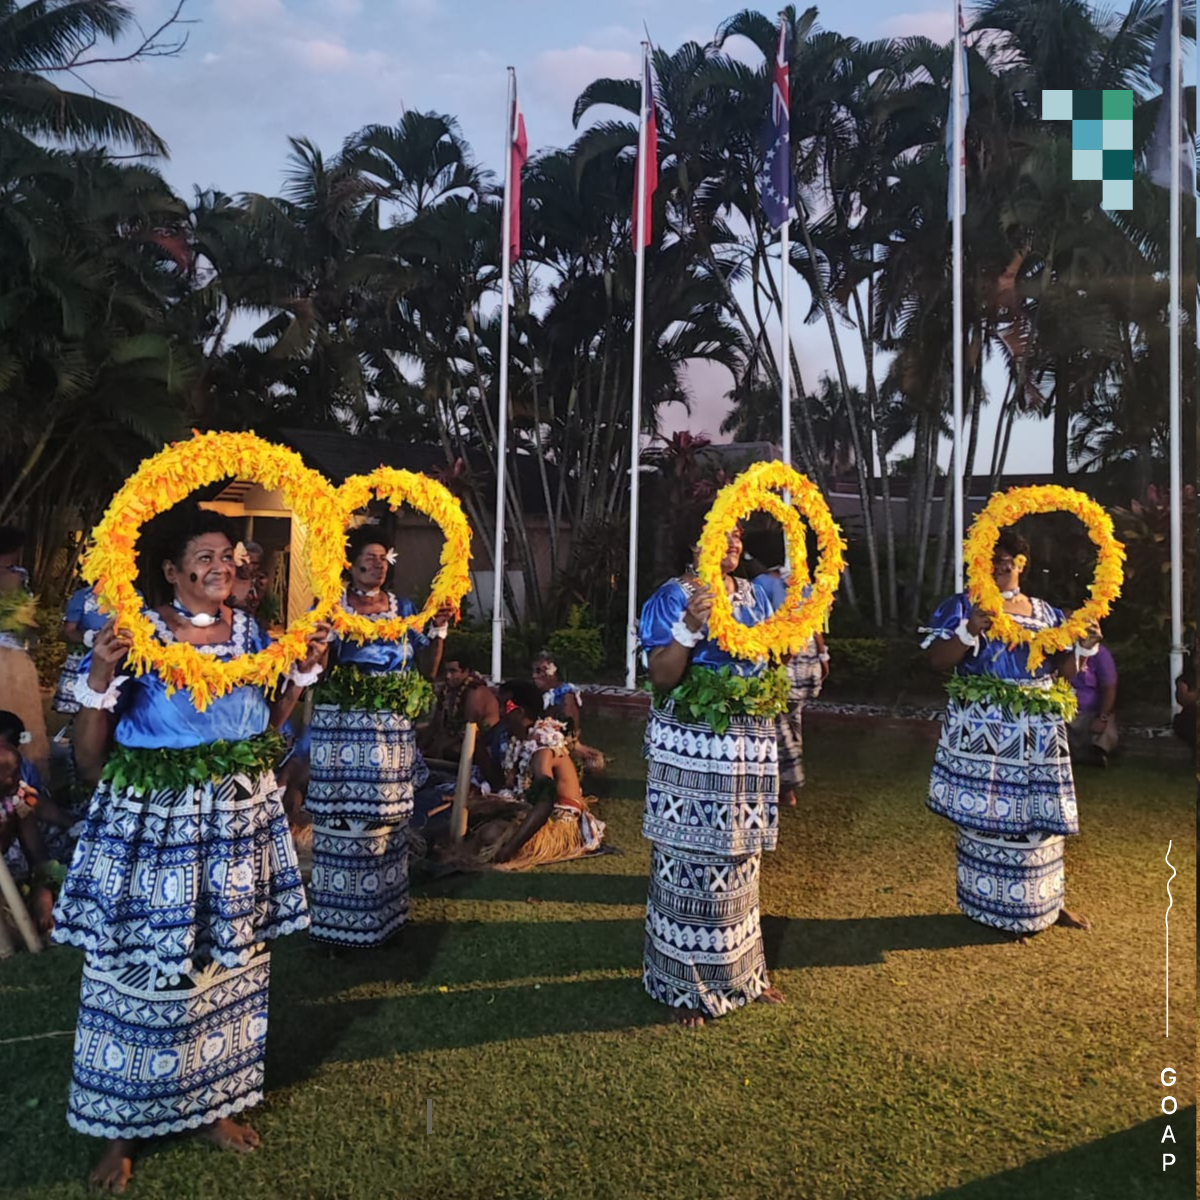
<point>712,806</point>
<point>177,885</point>
<point>1002,771</point>
<point>82,621</point>
<point>562,701</point>
<point>360,791</point>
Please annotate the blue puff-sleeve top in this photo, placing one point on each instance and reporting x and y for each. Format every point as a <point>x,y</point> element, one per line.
<point>83,610</point>
<point>751,604</point>
<point>379,658</point>
<point>994,658</point>
<point>149,719</point>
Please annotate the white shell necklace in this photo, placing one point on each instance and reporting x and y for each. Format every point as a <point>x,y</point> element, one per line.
<point>199,620</point>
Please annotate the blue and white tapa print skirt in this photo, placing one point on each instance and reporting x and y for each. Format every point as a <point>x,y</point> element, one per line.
<point>361,798</point>
<point>711,793</point>
<point>1004,773</point>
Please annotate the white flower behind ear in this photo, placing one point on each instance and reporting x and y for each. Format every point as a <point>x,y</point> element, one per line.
<point>25,739</point>
<point>241,556</point>
<point>391,557</point>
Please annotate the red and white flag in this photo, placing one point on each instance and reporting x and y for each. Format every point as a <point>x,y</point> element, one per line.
<point>643,213</point>
<point>518,156</point>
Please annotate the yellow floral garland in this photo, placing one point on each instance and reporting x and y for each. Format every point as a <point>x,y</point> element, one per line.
<point>453,580</point>
<point>159,484</point>
<point>1006,508</point>
<point>789,630</point>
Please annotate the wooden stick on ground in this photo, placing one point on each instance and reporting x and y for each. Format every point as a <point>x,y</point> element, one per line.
<point>7,949</point>
<point>16,905</point>
<point>458,814</point>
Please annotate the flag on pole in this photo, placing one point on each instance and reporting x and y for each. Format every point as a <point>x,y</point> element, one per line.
<point>519,155</point>
<point>958,163</point>
<point>1158,155</point>
<point>775,183</point>
<point>643,214</point>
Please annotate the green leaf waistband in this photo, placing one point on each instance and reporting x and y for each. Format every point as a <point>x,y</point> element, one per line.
<point>1020,699</point>
<point>407,693</point>
<point>142,771</point>
<point>714,698</point>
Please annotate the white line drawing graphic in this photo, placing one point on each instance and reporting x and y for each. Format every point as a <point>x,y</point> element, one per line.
<point>1167,923</point>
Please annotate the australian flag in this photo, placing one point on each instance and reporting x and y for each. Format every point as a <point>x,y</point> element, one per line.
<point>775,183</point>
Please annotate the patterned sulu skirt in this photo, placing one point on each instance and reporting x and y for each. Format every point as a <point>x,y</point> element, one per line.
<point>360,796</point>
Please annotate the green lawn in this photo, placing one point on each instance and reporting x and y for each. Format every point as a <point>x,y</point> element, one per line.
<point>918,1056</point>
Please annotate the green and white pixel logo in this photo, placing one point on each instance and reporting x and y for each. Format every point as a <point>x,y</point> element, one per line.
<point>1101,139</point>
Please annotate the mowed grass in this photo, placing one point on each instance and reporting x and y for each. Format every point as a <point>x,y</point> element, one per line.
<point>919,1056</point>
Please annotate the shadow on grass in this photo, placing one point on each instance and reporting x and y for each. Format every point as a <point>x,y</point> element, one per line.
<point>571,887</point>
<point>862,941</point>
<point>348,1010</point>
<point>1126,1165</point>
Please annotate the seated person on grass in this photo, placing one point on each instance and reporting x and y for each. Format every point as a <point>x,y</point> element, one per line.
<point>1093,733</point>
<point>466,699</point>
<point>18,802</point>
<point>1184,721</point>
<point>548,819</point>
<point>54,822</point>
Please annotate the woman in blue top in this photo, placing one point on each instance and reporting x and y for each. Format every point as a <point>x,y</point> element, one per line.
<point>360,791</point>
<point>82,621</point>
<point>183,872</point>
<point>1002,771</point>
<point>712,807</point>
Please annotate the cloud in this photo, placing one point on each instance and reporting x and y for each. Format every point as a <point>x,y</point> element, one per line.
<point>321,54</point>
<point>426,10</point>
<point>250,12</point>
<point>560,75</point>
<point>936,24</point>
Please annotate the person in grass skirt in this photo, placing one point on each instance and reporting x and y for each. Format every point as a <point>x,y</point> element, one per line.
<point>712,806</point>
<point>183,874</point>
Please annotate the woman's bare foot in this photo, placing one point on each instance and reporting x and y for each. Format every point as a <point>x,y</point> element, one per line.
<point>112,1172</point>
<point>229,1135</point>
<point>1070,920</point>
<point>770,995</point>
<point>689,1018</point>
<point>787,798</point>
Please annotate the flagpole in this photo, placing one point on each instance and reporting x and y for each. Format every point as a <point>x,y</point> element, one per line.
<point>1175,10</point>
<point>639,298</point>
<point>785,369</point>
<point>502,438</point>
<point>957,167</point>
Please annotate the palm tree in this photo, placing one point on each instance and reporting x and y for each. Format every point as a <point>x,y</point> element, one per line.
<point>47,37</point>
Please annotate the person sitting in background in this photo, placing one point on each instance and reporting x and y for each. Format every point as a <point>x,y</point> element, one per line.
<point>1184,721</point>
<point>562,701</point>
<point>465,700</point>
<point>53,821</point>
<point>1093,733</point>
<point>19,686</point>
<point>18,826</point>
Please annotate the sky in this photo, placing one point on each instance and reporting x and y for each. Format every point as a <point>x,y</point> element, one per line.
<point>255,72</point>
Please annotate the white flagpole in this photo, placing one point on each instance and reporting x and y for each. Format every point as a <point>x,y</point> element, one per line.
<point>631,634</point>
<point>1175,9</point>
<point>956,166</point>
<point>502,439</point>
<point>785,370</point>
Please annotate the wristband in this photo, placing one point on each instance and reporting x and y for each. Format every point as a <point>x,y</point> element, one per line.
<point>89,637</point>
<point>305,678</point>
<point>823,658</point>
<point>964,635</point>
<point>105,701</point>
<point>438,631</point>
<point>684,636</point>
<point>1081,652</point>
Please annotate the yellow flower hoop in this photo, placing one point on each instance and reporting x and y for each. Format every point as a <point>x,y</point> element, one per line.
<point>440,505</point>
<point>159,484</point>
<point>1006,508</point>
<point>790,629</point>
